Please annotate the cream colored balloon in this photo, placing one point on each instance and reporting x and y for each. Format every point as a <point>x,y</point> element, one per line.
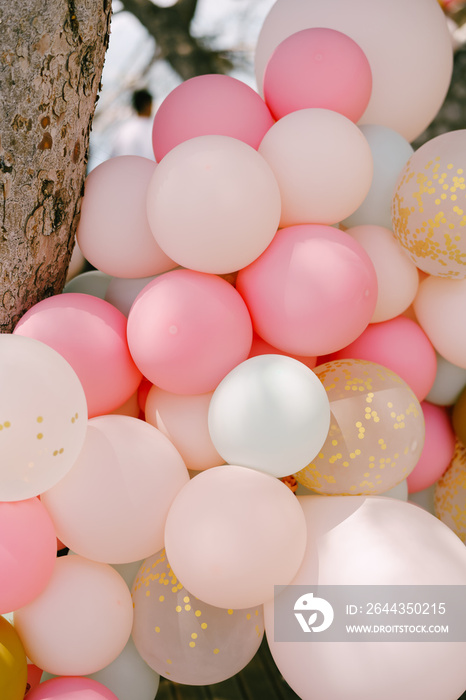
<point>407,43</point>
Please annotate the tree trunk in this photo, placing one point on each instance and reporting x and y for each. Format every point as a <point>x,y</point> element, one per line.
<point>51,60</point>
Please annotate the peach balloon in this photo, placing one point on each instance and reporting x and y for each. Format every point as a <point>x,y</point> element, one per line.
<point>322,163</point>
<point>112,505</point>
<point>232,533</point>
<point>183,419</point>
<point>438,450</point>
<point>409,79</point>
<point>311,292</point>
<point>373,541</point>
<point>91,335</point>
<point>213,204</point>
<point>440,306</point>
<point>397,276</point>
<point>450,494</point>
<point>113,232</point>
<point>206,105</point>
<point>80,622</point>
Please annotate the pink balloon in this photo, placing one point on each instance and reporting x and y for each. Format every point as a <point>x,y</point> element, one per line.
<point>27,544</point>
<point>438,450</point>
<point>210,104</point>
<point>318,67</point>
<point>91,335</point>
<point>71,688</point>
<point>261,347</point>
<point>187,330</point>
<point>311,292</point>
<point>401,345</point>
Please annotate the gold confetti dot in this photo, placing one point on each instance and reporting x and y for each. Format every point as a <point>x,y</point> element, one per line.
<point>39,419</point>
<point>157,629</point>
<point>147,593</point>
<point>178,608</point>
<point>161,598</point>
<point>7,424</point>
<point>40,436</point>
<point>187,607</point>
<point>204,625</point>
<point>192,644</point>
<point>216,651</point>
<point>198,613</point>
<point>169,661</point>
<point>248,616</point>
<point>230,612</point>
<point>194,635</point>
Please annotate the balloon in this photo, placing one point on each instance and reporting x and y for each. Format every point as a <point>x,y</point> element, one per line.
<point>269,413</point>
<point>129,677</point>
<point>77,263</point>
<point>400,491</point>
<point>111,507</point>
<point>397,276</point>
<point>129,408</point>
<point>390,151</point>
<point>82,620</point>
<point>213,204</point>
<point>27,543</point>
<point>322,163</point>
<point>128,571</point>
<point>376,430</point>
<point>400,345</point>
<point>438,450</point>
<point>113,231</point>
<point>312,292</point>
<point>448,384</point>
<point>183,419</point>
<point>440,304</point>
<point>207,105</point>
<point>121,292</point>
<point>94,283</point>
<point>261,347</point>
<point>458,417</point>
<point>450,494</point>
<point>71,688</point>
<point>13,663</point>
<point>187,330</point>
<point>91,335</point>
<point>427,212</point>
<point>318,67</point>
<point>380,542</point>
<point>185,639</point>
<point>409,79</point>
<point>424,499</point>
<point>42,417</point>
<point>232,533</point>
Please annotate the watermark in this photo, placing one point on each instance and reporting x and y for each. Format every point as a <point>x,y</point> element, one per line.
<point>370,613</point>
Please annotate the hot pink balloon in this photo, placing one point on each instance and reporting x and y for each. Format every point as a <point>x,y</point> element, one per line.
<point>311,292</point>
<point>210,104</point>
<point>438,450</point>
<point>318,67</point>
<point>401,345</point>
<point>187,330</point>
<point>27,552</point>
<point>71,688</point>
<point>91,335</point>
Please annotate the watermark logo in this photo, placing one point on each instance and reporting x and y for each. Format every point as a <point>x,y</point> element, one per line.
<point>309,603</point>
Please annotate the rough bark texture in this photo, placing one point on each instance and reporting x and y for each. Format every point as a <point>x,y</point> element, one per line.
<point>51,59</point>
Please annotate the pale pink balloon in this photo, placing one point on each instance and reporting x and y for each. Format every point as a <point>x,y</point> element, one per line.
<point>113,232</point>
<point>232,533</point>
<point>71,688</point>
<point>397,275</point>
<point>438,450</point>
<point>373,541</point>
<point>261,347</point>
<point>318,67</point>
<point>187,330</point>
<point>91,335</point>
<point>183,419</point>
<point>27,544</point>
<point>213,204</point>
<point>210,104</point>
<point>322,163</point>
<point>112,505</point>
<point>312,291</point>
<point>400,345</point>
<point>80,622</point>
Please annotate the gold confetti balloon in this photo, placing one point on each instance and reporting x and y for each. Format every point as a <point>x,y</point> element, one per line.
<point>376,431</point>
<point>450,494</point>
<point>184,639</point>
<point>429,206</point>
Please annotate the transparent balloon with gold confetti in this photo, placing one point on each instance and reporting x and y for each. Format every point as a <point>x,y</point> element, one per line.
<point>450,494</point>
<point>376,431</point>
<point>185,639</point>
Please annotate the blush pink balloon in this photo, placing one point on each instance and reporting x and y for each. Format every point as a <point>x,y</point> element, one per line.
<point>438,450</point>
<point>91,335</point>
<point>71,688</point>
<point>187,330</point>
<point>27,552</point>
<point>210,104</point>
<point>318,67</point>
<point>401,345</point>
<point>311,292</point>
<point>261,347</point>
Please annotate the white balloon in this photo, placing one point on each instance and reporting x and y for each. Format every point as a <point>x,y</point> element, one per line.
<point>424,499</point>
<point>449,382</point>
<point>93,282</point>
<point>400,491</point>
<point>121,292</point>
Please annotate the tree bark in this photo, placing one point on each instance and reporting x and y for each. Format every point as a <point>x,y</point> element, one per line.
<point>51,60</point>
